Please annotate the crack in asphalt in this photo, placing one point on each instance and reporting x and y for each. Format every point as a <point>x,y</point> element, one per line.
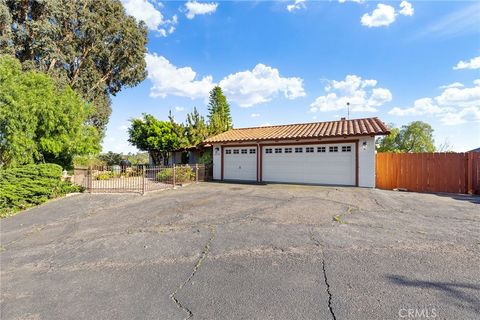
<point>330,307</point>
<point>325,279</point>
<point>196,267</point>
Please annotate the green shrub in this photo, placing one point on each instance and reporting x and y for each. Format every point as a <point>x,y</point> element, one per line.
<point>165,175</point>
<point>29,185</point>
<point>206,157</point>
<point>182,174</point>
<point>105,175</point>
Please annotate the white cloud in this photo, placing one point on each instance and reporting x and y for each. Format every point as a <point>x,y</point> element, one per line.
<point>407,9</point>
<point>383,15</point>
<point>473,63</point>
<point>452,85</point>
<point>420,107</point>
<point>168,79</point>
<point>144,10</point>
<point>462,116</point>
<point>179,109</point>
<point>259,85</point>
<point>362,95</point>
<point>247,88</point>
<point>298,4</point>
<point>455,105</point>
<point>357,1</point>
<point>197,8</point>
<point>266,124</point>
<point>255,115</point>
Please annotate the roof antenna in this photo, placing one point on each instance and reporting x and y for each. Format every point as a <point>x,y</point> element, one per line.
<point>348,110</point>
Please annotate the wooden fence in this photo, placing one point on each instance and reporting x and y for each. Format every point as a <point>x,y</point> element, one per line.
<point>429,172</point>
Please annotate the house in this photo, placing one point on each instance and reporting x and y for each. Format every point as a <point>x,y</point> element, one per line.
<point>332,153</point>
<point>475,150</point>
<point>188,155</point>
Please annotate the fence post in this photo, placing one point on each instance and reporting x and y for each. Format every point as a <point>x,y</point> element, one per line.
<point>144,173</point>
<point>469,168</point>
<point>173,175</point>
<point>196,173</point>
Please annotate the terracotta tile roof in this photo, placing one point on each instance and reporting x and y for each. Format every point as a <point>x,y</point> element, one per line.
<point>340,128</point>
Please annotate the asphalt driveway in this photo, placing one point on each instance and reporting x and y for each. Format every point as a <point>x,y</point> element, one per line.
<point>232,251</point>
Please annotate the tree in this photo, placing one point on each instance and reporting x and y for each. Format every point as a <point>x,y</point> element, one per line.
<point>179,129</point>
<point>155,136</point>
<point>41,121</point>
<point>92,46</point>
<point>138,158</point>
<point>196,129</point>
<point>219,112</point>
<point>111,158</point>
<point>417,136</point>
<point>389,143</point>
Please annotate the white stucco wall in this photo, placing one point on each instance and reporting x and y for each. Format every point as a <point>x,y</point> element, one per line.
<point>217,175</point>
<point>366,162</point>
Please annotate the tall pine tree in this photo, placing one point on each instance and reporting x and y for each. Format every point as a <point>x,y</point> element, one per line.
<point>219,112</point>
<point>196,129</point>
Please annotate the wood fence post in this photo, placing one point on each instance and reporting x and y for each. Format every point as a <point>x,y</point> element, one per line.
<point>196,173</point>
<point>469,172</point>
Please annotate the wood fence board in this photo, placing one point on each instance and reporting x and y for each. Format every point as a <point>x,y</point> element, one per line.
<point>429,172</point>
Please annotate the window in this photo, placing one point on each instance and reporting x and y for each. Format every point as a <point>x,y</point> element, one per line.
<point>321,149</point>
<point>288,150</point>
<point>333,149</point>
<point>268,150</point>
<point>309,149</point>
<point>278,150</point>
<point>235,151</point>
<point>244,151</point>
<point>228,151</point>
<point>253,151</point>
<point>346,148</point>
<point>298,150</point>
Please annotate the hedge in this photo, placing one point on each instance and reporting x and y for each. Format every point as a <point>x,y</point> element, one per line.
<point>29,185</point>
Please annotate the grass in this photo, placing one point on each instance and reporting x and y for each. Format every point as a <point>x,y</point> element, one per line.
<point>339,217</point>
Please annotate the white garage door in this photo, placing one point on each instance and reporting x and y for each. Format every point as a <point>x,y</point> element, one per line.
<point>320,164</point>
<point>240,163</point>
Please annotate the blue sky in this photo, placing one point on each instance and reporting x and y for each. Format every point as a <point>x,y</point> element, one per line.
<point>301,61</point>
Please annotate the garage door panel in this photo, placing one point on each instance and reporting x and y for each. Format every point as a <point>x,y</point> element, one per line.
<point>238,166</point>
<point>336,168</point>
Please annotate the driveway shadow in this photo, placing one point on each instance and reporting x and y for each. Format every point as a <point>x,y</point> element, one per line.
<point>451,289</point>
<point>462,197</point>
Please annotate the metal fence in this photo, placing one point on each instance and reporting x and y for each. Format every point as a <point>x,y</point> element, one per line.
<point>139,179</point>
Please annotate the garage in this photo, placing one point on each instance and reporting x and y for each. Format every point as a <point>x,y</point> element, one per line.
<point>240,163</point>
<point>326,153</point>
<point>330,164</point>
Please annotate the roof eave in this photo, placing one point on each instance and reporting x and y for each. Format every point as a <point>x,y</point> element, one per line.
<point>297,138</point>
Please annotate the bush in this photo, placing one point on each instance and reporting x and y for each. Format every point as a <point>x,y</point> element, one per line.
<point>206,157</point>
<point>105,175</point>
<point>182,174</point>
<point>30,185</point>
